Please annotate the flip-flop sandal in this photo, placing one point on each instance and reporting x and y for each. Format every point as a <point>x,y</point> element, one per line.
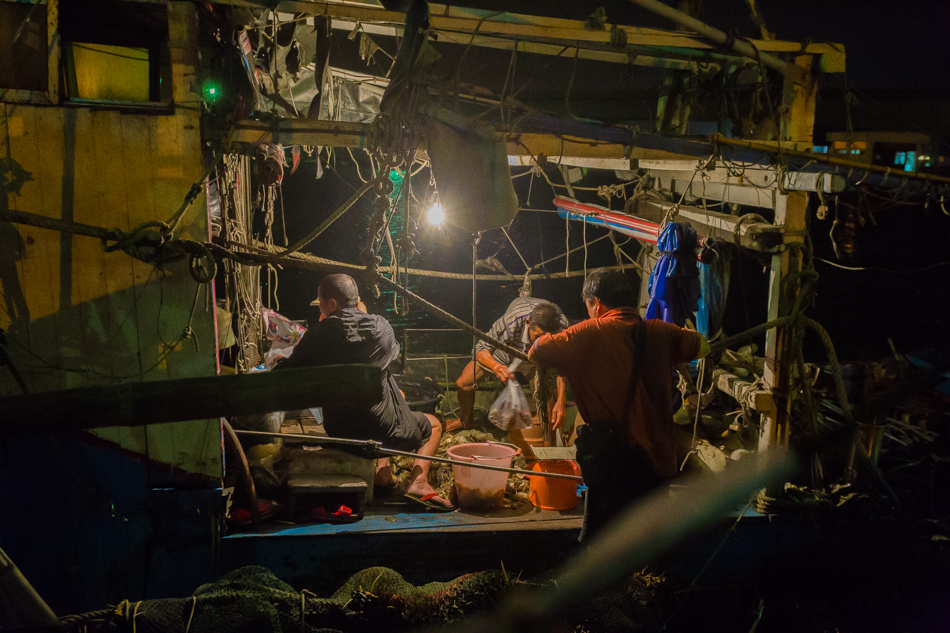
<point>239,517</point>
<point>433,506</point>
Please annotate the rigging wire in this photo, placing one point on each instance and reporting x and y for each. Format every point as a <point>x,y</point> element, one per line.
<point>882,270</point>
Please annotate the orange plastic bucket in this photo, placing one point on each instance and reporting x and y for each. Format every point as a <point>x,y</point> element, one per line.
<point>548,493</point>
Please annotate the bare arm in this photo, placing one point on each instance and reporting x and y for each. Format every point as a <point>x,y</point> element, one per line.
<point>704,347</point>
<point>559,405</point>
<point>499,369</point>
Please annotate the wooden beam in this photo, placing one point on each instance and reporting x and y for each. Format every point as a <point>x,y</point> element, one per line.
<point>791,212</point>
<point>757,236</point>
<point>760,399</point>
<point>142,403</point>
<point>535,144</point>
<point>658,57</point>
<point>344,134</point>
<point>302,132</point>
<point>515,25</point>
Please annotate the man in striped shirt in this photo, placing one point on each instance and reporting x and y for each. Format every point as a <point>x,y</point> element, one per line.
<point>526,319</point>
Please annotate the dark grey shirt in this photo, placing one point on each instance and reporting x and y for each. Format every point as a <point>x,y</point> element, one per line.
<point>352,336</point>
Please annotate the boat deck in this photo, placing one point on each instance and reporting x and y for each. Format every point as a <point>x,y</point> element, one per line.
<point>398,533</point>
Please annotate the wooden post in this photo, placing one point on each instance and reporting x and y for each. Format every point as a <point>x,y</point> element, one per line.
<point>790,213</point>
<point>791,208</point>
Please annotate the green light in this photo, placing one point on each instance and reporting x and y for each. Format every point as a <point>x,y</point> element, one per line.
<point>212,92</point>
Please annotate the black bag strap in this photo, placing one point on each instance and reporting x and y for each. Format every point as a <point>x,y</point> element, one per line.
<point>639,336</point>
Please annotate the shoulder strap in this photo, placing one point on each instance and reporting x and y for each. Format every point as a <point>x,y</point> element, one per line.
<point>639,336</point>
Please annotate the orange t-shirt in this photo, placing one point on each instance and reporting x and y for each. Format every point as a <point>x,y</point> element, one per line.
<point>596,358</point>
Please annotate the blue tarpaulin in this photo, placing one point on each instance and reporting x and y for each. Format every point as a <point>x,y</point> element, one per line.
<point>674,282</point>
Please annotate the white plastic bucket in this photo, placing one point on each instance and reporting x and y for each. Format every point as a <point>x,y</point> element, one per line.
<point>479,489</point>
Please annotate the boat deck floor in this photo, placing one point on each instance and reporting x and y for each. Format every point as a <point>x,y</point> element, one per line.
<point>392,514</point>
<point>422,546</point>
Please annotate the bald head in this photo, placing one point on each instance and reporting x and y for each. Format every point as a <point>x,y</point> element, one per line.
<point>336,292</point>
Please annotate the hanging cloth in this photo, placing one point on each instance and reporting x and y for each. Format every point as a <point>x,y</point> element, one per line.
<point>674,283</point>
<point>714,280</point>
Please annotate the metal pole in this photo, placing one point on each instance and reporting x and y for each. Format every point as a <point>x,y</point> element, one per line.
<point>793,72</point>
<point>377,446</point>
<point>29,610</point>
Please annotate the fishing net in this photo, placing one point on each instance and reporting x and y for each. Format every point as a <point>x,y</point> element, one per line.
<point>253,600</point>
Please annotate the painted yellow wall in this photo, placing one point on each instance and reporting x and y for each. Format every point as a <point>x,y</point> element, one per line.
<point>78,316</point>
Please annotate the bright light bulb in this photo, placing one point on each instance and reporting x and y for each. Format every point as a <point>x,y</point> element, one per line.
<point>436,215</point>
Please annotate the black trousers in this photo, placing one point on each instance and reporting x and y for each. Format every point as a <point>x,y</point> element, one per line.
<point>615,474</point>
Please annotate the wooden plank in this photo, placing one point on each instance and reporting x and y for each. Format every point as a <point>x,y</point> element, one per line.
<point>156,402</point>
<point>140,202</point>
<point>118,273</point>
<point>90,314</point>
<point>528,144</point>
<point>164,301</point>
<point>49,126</point>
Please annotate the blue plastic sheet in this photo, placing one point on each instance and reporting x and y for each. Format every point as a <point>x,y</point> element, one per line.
<point>714,281</point>
<point>674,283</point>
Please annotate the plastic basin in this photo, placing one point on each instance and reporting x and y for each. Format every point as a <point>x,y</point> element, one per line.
<point>478,489</point>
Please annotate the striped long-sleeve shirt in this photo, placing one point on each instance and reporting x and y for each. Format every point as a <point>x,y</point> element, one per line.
<point>511,329</point>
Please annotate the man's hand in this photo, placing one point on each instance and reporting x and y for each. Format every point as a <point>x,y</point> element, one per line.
<point>560,403</point>
<point>503,374</point>
<point>557,415</point>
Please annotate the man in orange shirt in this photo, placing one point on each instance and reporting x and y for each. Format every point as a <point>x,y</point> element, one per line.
<point>620,371</point>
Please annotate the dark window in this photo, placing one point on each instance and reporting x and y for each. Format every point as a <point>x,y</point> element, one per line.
<point>115,51</point>
<point>24,42</point>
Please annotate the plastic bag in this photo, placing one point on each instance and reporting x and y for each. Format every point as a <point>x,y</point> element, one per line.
<point>510,410</point>
<point>283,335</point>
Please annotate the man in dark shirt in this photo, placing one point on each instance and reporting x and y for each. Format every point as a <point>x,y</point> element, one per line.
<point>346,334</point>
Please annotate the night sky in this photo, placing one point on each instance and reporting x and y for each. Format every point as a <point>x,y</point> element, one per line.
<point>890,44</point>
